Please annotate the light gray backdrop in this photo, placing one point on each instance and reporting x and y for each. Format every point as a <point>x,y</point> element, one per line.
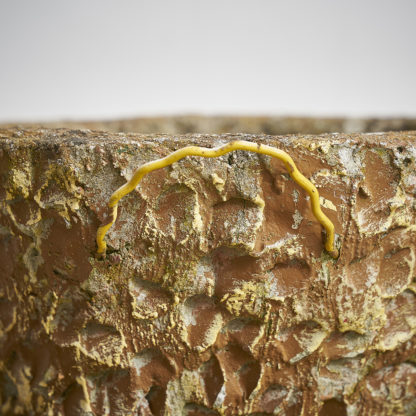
<point>102,58</point>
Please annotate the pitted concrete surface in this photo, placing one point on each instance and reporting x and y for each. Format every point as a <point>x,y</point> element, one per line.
<point>216,296</point>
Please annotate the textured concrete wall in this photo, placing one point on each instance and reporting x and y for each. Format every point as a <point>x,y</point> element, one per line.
<point>216,296</point>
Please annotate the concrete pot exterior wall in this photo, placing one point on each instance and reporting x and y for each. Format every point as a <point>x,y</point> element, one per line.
<point>216,296</point>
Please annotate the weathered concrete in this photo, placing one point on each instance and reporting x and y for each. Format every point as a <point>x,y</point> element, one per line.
<point>217,296</point>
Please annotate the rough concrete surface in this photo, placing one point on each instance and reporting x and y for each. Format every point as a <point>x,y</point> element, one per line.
<point>216,296</point>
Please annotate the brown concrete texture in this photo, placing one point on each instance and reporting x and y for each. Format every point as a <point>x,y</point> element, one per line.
<point>216,296</point>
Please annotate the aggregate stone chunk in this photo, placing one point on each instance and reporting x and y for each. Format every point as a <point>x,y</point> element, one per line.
<point>216,296</point>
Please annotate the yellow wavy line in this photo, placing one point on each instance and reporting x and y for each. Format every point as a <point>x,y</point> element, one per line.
<point>215,152</point>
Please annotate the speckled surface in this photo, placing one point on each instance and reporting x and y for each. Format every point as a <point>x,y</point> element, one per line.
<point>216,296</point>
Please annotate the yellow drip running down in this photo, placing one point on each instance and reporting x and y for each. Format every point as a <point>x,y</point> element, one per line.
<point>215,152</point>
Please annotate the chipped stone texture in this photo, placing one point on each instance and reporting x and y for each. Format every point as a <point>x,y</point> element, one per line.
<point>216,297</point>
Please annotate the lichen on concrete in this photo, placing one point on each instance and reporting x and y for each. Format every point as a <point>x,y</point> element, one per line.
<point>216,296</point>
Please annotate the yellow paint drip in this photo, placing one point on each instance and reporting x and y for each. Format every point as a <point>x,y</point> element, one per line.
<point>215,152</point>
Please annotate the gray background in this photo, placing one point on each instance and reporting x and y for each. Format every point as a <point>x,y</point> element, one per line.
<point>99,58</point>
